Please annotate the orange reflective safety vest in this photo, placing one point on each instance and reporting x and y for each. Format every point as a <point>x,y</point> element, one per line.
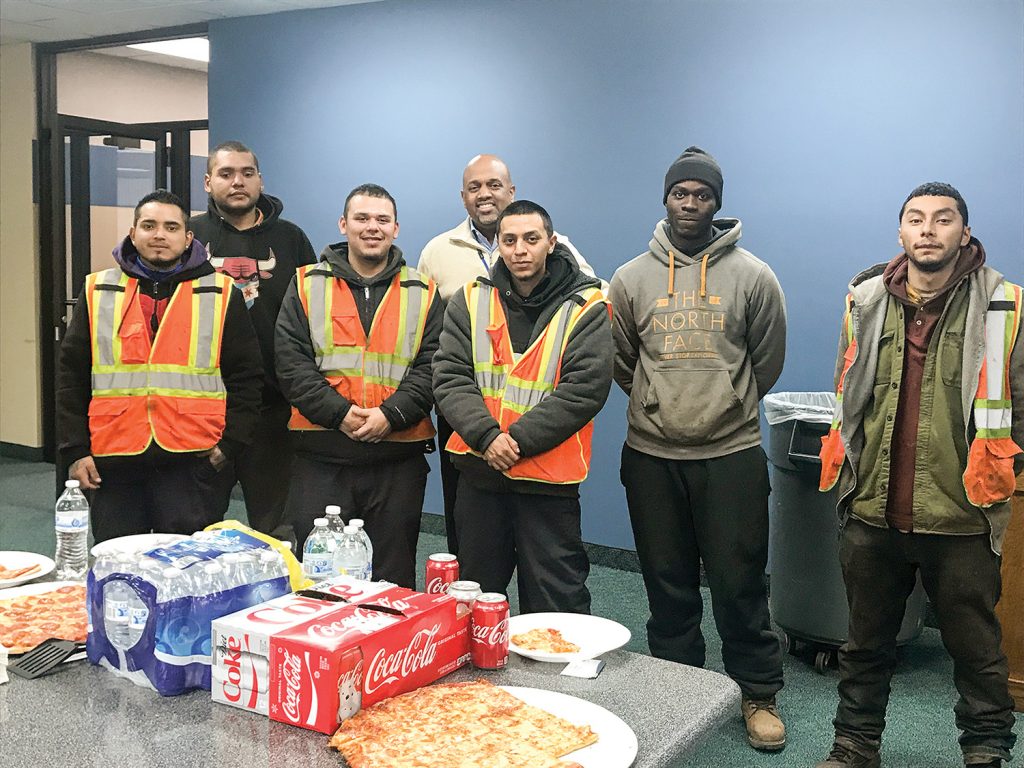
<point>988,478</point>
<point>512,387</point>
<point>169,390</point>
<point>365,371</point>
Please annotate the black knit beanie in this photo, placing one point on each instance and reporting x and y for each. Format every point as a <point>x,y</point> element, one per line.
<point>698,165</point>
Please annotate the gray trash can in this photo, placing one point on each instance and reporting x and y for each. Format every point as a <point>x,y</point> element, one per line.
<point>808,597</point>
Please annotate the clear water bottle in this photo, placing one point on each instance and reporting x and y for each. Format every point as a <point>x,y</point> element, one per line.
<point>355,521</point>
<point>234,569</point>
<point>116,613</point>
<point>271,565</point>
<point>319,553</point>
<point>352,558</point>
<point>138,616</point>
<point>334,522</point>
<point>213,579</point>
<point>72,528</point>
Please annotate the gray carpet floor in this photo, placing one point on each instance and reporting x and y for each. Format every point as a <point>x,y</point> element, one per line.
<point>920,731</point>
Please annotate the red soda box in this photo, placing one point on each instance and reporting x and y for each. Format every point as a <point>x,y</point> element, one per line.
<point>326,669</point>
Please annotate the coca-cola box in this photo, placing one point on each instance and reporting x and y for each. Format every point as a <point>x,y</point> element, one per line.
<point>326,669</point>
<point>241,640</point>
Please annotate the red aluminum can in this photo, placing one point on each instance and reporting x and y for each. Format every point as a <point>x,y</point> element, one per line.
<point>488,646</point>
<point>442,570</point>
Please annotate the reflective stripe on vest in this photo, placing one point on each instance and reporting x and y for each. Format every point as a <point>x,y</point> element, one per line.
<point>365,371</point>
<point>169,389</point>
<point>512,387</point>
<point>988,478</point>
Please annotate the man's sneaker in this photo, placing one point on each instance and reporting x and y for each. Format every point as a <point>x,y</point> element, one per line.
<point>843,757</point>
<point>994,763</point>
<point>764,726</point>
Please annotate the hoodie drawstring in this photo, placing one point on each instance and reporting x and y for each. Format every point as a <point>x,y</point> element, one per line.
<point>704,276</point>
<point>671,273</point>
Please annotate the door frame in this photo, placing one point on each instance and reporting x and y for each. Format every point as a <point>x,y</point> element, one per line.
<point>51,230</point>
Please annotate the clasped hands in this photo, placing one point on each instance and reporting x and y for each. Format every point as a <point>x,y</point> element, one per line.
<point>503,453</point>
<point>365,425</point>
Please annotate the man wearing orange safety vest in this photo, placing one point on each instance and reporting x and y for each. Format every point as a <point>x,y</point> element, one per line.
<point>353,346</point>
<point>924,449</point>
<point>159,380</point>
<point>524,367</point>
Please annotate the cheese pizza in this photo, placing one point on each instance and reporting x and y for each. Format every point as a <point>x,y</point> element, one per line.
<point>6,574</point>
<point>27,620</point>
<point>545,640</point>
<point>458,725</point>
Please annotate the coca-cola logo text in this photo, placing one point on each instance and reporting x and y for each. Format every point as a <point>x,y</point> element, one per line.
<point>285,614</point>
<point>362,620</point>
<point>496,635</point>
<point>437,586</point>
<point>291,670</point>
<point>232,686</point>
<point>386,668</point>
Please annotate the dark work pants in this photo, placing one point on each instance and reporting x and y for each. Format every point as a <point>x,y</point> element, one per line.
<point>449,482</point>
<point>388,496</point>
<point>263,469</point>
<point>540,535</point>
<point>165,495</point>
<point>715,510</point>
<point>961,576</point>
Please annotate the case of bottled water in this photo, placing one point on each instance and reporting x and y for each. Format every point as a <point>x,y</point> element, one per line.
<point>150,612</point>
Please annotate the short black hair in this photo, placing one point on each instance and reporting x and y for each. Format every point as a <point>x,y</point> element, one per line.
<point>230,146</point>
<point>937,189</point>
<point>525,208</point>
<point>370,190</point>
<point>161,196</point>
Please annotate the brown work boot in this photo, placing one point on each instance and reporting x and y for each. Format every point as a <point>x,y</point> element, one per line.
<point>764,726</point>
<point>844,757</point>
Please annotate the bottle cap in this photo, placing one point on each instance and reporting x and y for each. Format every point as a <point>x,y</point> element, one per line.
<point>351,529</point>
<point>170,572</point>
<point>72,484</point>
<point>332,509</point>
<point>320,522</point>
<point>357,522</point>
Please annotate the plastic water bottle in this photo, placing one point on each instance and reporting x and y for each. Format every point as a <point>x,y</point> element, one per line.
<point>319,553</point>
<point>138,617</point>
<point>213,579</point>
<point>271,565</point>
<point>116,613</point>
<point>72,528</point>
<point>234,569</point>
<point>352,558</point>
<point>334,522</point>
<point>355,521</point>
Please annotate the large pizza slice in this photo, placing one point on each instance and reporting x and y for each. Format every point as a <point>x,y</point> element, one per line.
<point>544,639</point>
<point>27,620</point>
<point>458,725</point>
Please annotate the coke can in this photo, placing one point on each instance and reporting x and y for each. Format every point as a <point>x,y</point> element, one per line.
<point>464,592</point>
<point>442,570</point>
<point>488,645</point>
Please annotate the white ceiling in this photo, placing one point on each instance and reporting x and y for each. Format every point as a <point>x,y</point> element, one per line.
<point>45,21</point>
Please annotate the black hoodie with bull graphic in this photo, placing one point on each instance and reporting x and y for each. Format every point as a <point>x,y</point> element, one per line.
<point>262,261</point>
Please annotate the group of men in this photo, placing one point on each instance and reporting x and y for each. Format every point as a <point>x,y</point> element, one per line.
<point>222,351</point>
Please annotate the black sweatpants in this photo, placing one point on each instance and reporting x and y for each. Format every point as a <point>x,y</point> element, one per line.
<point>539,535</point>
<point>715,510</point>
<point>155,492</point>
<point>449,482</point>
<point>388,496</point>
<point>961,576</point>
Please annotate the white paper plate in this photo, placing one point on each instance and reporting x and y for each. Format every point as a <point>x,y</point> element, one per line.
<point>15,559</point>
<point>616,744</point>
<point>139,542</point>
<point>593,634</point>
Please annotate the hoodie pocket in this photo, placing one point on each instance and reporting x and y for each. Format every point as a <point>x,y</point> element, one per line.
<point>693,407</point>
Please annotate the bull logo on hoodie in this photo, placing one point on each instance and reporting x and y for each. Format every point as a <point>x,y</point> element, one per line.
<point>246,272</point>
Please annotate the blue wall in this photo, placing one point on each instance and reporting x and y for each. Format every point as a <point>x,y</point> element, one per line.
<point>823,116</point>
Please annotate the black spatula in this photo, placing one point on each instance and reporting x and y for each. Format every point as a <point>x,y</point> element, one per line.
<point>44,657</point>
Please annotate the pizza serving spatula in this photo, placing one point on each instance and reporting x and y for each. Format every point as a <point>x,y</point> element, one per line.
<point>44,657</point>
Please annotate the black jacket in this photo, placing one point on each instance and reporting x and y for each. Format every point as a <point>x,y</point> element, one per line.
<point>261,261</point>
<point>586,373</point>
<point>307,389</point>
<point>240,365</point>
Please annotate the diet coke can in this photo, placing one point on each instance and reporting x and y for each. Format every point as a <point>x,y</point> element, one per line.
<point>488,645</point>
<point>464,592</point>
<point>442,570</point>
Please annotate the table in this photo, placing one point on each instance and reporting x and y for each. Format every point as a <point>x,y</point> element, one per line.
<point>82,715</point>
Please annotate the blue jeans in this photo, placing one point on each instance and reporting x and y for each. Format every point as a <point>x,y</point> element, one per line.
<point>961,576</point>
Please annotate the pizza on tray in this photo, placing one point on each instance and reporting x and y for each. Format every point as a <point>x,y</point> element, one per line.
<point>458,725</point>
<point>6,574</point>
<point>27,620</point>
<point>545,640</point>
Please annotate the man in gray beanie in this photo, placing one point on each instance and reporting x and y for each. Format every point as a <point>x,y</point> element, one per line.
<point>700,336</point>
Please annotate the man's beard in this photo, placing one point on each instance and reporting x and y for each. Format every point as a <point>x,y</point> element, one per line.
<point>937,265</point>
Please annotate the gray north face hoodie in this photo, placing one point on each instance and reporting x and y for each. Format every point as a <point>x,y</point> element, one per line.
<point>699,341</point>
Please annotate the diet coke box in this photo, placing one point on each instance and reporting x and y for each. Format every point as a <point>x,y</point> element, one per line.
<point>328,668</point>
<point>240,673</point>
